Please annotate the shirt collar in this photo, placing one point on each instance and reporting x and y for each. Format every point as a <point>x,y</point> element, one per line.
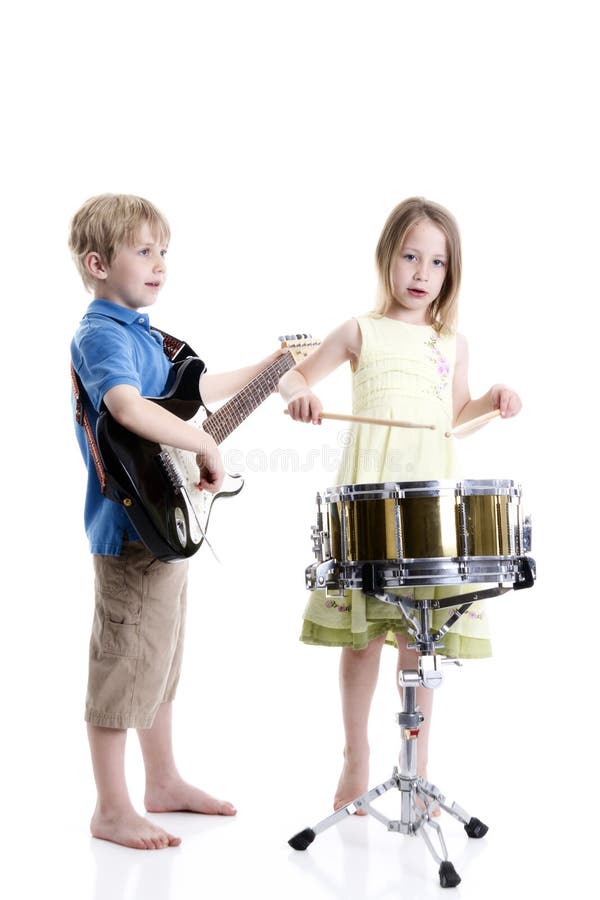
<point>119,313</point>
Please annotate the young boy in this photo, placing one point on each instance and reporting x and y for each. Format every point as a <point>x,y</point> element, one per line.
<point>119,243</point>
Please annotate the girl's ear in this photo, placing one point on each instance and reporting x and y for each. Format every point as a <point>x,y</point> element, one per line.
<point>95,266</point>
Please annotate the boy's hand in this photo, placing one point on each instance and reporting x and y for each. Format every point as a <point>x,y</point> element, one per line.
<point>211,467</point>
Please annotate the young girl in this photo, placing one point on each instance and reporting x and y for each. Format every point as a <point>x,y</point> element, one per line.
<point>407,363</point>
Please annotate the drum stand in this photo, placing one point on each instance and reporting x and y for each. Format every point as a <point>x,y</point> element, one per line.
<point>419,799</point>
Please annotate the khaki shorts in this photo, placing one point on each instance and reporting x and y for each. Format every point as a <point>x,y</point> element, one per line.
<point>137,637</point>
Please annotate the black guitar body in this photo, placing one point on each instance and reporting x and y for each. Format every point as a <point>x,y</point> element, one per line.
<point>145,479</point>
<point>158,485</point>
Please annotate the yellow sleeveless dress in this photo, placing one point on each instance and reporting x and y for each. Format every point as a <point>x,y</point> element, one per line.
<point>404,372</point>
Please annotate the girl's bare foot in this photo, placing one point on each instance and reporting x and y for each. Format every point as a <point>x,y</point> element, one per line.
<point>128,828</point>
<point>179,796</point>
<point>353,780</point>
<point>421,804</point>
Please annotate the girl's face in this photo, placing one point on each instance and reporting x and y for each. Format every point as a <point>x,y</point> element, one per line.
<point>418,272</point>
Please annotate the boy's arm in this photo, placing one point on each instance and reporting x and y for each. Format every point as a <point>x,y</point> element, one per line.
<point>150,421</point>
<point>225,384</point>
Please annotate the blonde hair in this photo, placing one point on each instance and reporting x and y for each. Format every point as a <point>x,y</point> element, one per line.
<point>106,222</point>
<point>443,309</point>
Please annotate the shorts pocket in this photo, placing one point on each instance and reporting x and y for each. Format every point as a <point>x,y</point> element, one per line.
<point>120,638</point>
<point>110,573</point>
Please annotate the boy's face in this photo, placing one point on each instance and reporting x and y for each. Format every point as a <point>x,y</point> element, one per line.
<point>136,274</point>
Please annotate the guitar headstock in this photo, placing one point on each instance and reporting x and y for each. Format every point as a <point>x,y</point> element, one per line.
<point>299,345</point>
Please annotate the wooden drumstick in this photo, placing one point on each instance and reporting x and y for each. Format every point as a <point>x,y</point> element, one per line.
<point>369,420</point>
<point>473,423</point>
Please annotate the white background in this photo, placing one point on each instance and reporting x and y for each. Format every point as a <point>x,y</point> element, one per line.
<point>276,137</point>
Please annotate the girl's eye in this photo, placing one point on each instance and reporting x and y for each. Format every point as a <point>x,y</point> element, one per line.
<point>439,263</point>
<point>163,253</point>
<point>144,251</point>
<point>410,257</point>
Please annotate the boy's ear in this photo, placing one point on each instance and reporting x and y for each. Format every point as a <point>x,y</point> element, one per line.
<point>95,266</point>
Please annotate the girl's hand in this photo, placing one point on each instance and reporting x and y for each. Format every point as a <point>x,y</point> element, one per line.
<point>305,407</point>
<point>506,400</point>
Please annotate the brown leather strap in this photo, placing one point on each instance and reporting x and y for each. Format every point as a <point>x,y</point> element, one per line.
<point>171,345</point>
<point>81,417</point>
<point>174,347</point>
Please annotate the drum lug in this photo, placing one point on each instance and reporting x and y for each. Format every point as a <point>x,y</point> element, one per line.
<point>527,534</point>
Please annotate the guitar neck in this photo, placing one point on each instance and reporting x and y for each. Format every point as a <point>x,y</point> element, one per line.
<point>221,423</point>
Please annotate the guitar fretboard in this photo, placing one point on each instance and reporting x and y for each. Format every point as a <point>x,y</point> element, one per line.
<point>226,419</point>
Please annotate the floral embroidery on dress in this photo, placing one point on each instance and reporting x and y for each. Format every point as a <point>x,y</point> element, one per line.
<point>441,364</point>
<point>330,603</point>
<point>472,614</point>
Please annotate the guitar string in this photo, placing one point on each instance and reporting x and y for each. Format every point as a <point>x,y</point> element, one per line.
<point>221,423</point>
<point>238,408</point>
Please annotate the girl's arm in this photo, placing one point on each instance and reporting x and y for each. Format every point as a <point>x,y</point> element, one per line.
<point>340,346</point>
<point>465,408</point>
<point>225,384</point>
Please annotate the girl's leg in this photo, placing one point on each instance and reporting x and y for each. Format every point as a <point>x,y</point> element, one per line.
<point>358,677</point>
<point>114,818</point>
<point>166,791</point>
<point>408,659</point>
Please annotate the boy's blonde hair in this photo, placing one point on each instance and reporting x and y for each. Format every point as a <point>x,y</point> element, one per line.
<point>105,223</point>
<point>444,308</point>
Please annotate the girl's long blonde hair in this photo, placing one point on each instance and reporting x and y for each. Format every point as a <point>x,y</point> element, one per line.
<point>443,310</point>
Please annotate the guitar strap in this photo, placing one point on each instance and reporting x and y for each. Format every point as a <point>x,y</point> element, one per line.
<point>173,348</point>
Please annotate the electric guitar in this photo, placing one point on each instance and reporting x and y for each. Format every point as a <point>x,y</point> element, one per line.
<point>157,484</point>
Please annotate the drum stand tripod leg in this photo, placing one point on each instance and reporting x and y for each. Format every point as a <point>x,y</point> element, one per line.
<point>304,838</point>
<point>419,798</point>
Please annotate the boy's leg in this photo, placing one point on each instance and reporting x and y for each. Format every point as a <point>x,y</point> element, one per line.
<point>358,678</point>
<point>115,818</point>
<point>166,791</point>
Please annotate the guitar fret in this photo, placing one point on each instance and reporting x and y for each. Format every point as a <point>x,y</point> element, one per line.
<point>221,423</point>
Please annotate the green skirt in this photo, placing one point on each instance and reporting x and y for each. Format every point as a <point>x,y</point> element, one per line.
<point>353,619</point>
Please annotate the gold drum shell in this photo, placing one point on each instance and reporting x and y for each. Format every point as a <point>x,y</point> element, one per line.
<point>424,520</point>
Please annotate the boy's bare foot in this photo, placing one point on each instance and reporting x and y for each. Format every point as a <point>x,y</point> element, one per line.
<point>353,781</point>
<point>131,830</point>
<point>179,796</point>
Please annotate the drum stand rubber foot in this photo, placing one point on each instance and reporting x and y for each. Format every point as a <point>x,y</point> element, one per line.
<point>449,877</point>
<point>475,828</point>
<point>419,798</point>
<point>303,839</point>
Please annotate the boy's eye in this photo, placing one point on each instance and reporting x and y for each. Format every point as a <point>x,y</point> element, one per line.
<point>163,253</point>
<point>144,251</point>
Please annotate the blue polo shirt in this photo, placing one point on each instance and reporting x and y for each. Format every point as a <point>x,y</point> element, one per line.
<point>113,345</point>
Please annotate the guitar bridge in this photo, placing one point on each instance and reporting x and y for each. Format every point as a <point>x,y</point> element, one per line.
<point>171,471</point>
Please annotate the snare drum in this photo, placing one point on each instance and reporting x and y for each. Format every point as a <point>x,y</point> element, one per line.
<point>422,533</point>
